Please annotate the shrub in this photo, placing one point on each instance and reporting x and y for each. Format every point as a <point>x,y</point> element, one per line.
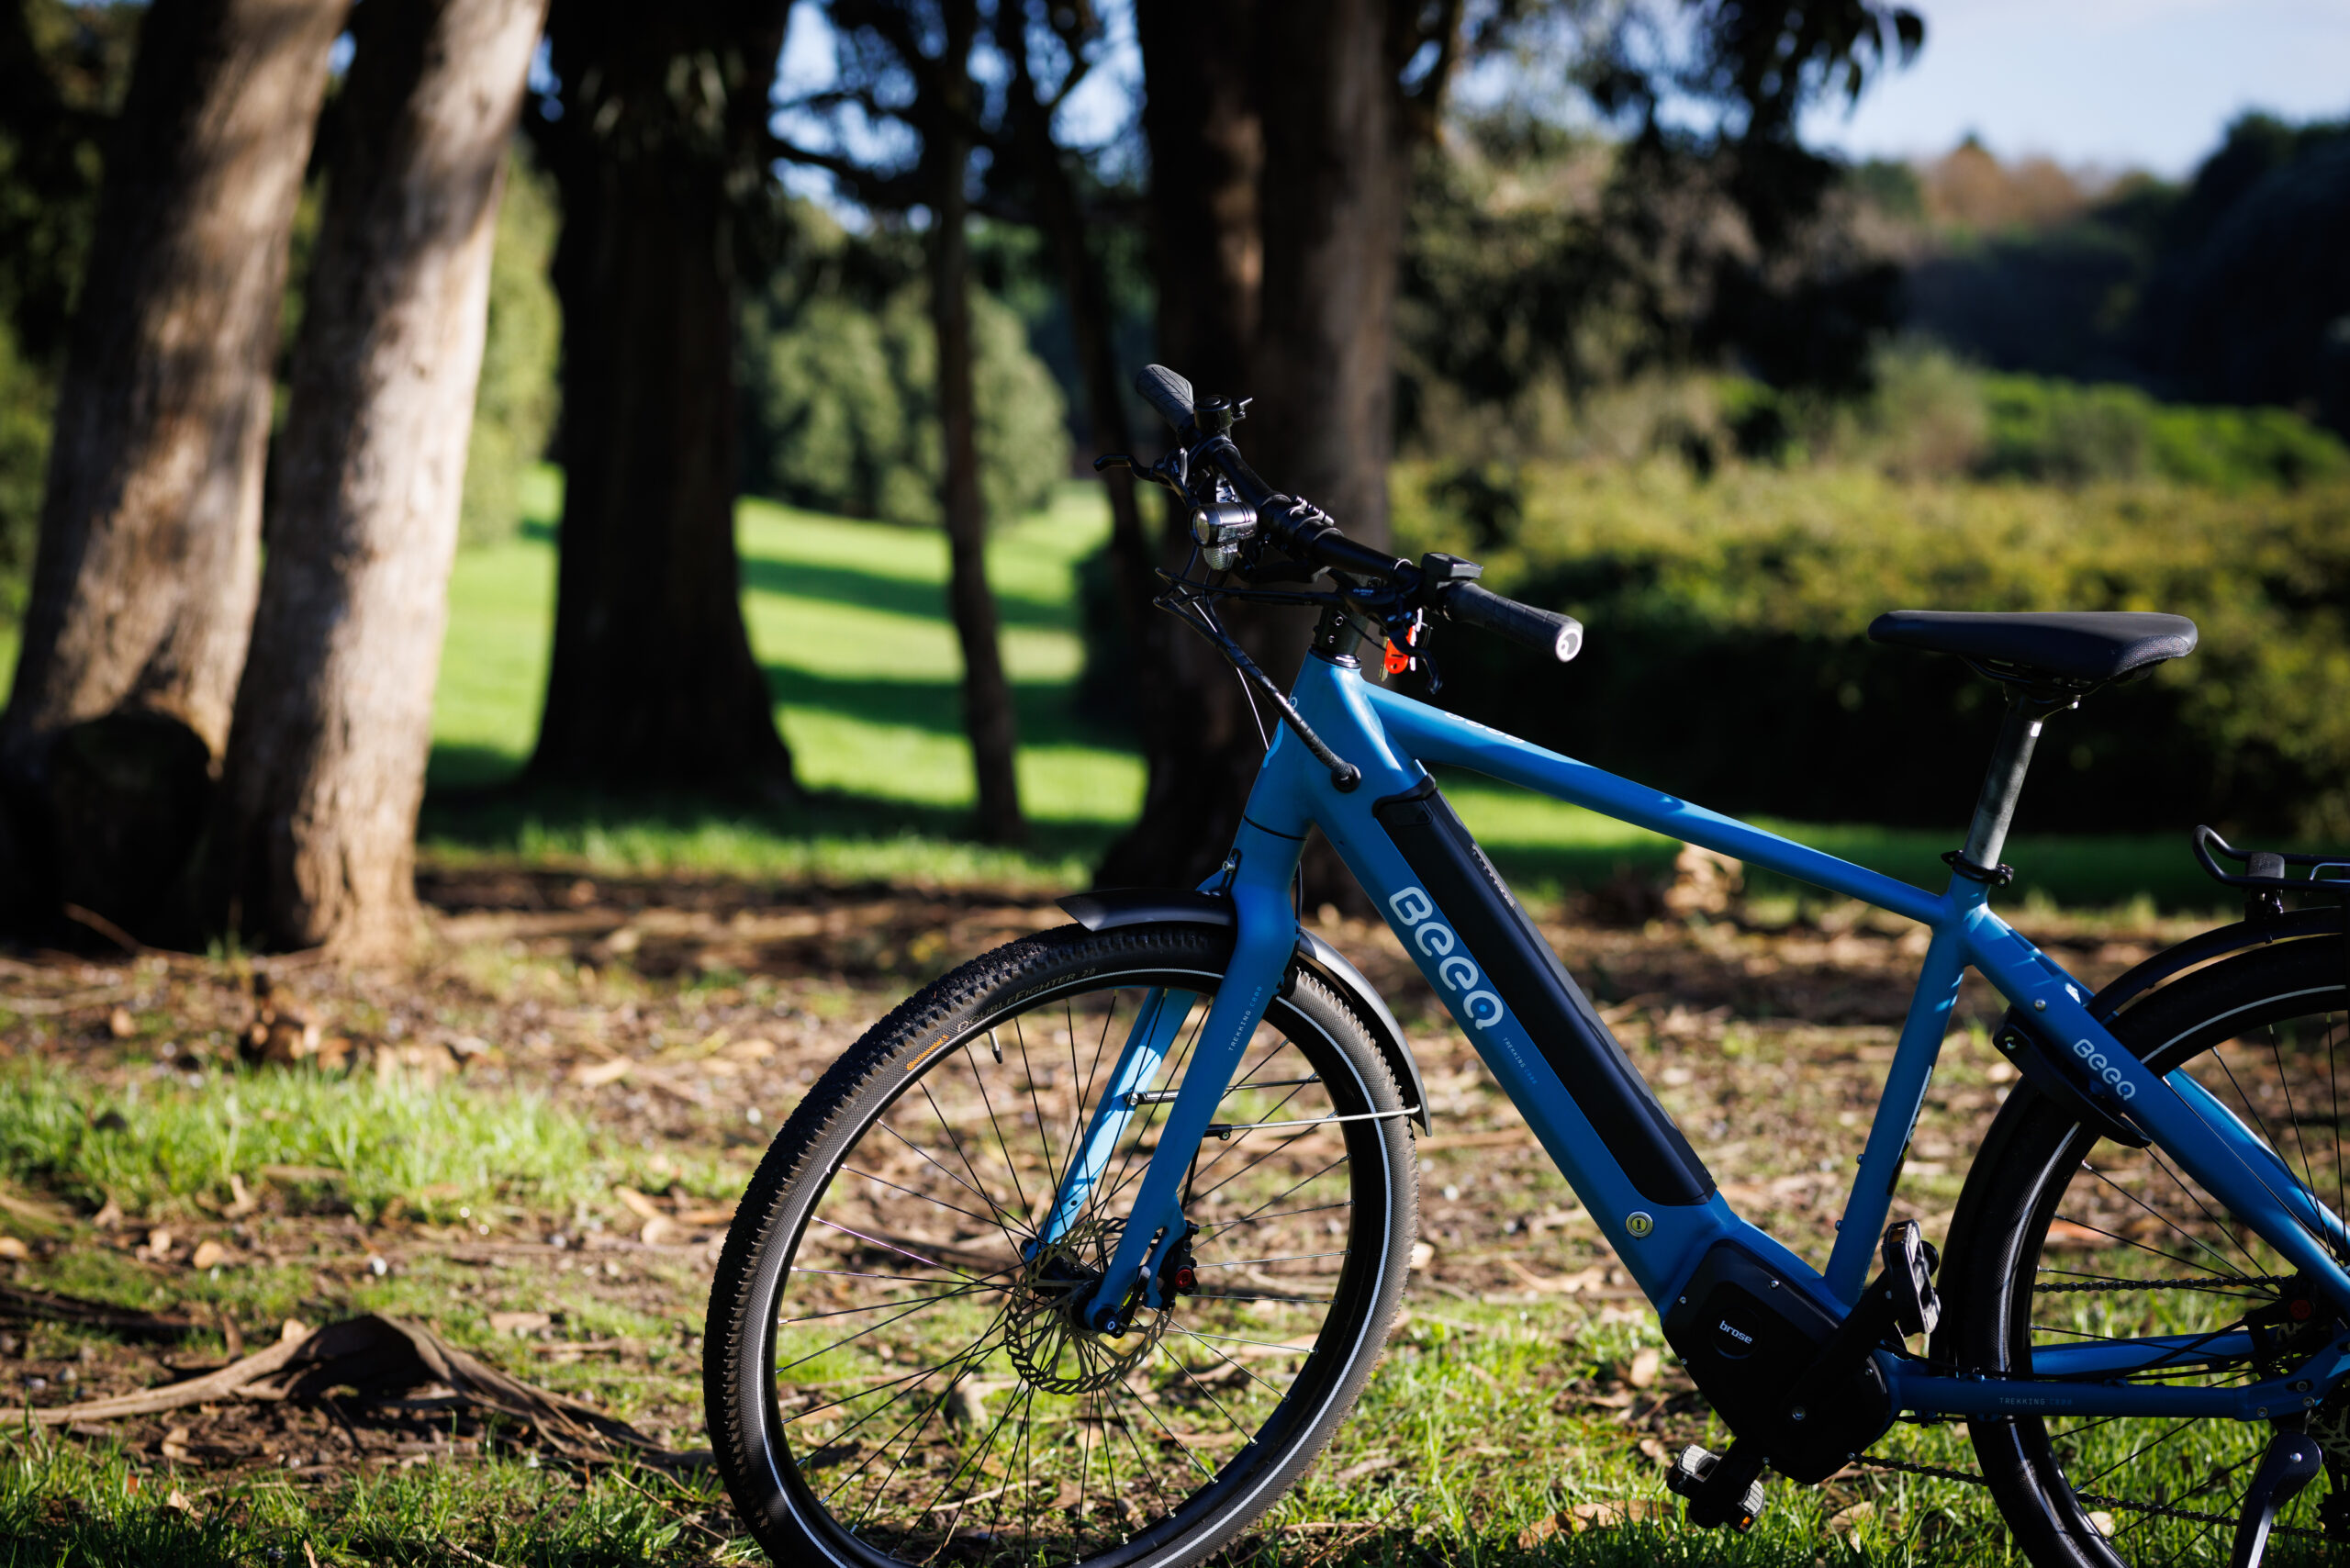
<point>1727,657</point>
<point>844,408</point>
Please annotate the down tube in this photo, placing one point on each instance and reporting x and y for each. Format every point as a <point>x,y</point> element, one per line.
<point>1659,1233</point>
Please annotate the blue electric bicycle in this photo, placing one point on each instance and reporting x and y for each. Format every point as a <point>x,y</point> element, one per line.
<point>1081,1254</point>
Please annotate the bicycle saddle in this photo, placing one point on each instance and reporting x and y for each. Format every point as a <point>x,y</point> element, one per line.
<point>2067,648</point>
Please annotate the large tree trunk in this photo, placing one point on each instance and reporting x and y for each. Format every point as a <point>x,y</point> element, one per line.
<point>1336,172</point>
<point>325,768</point>
<point>143,590</point>
<point>1285,290</point>
<point>653,679</point>
<point>1199,739</point>
<point>988,716</point>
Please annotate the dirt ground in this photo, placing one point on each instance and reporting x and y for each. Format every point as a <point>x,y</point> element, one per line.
<point>689,1017</point>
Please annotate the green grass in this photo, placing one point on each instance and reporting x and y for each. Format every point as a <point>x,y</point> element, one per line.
<point>849,620</point>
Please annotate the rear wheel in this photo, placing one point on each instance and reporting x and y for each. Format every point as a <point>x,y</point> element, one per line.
<point>892,1373</point>
<point>2075,1240</point>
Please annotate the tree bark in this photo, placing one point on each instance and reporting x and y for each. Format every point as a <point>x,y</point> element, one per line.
<point>1201,740</point>
<point>1280,146</point>
<point>987,715</point>
<point>143,588</point>
<point>333,723</point>
<point>652,680</point>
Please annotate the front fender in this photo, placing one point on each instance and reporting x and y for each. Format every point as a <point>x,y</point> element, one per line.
<point>1114,907</point>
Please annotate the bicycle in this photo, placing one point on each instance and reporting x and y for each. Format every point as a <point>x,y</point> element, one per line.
<point>1146,1182</point>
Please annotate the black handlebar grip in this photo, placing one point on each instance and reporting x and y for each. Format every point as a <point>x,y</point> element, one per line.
<point>1167,392</point>
<point>1560,636</point>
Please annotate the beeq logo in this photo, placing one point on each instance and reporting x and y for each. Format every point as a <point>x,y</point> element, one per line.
<point>1434,940</point>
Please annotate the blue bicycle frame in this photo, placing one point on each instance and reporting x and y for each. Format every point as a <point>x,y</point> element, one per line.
<point>1594,1115</point>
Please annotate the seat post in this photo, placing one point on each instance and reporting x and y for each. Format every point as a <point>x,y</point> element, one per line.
<point>2003,784</point>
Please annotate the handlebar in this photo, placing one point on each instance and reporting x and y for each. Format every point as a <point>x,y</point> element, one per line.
<point>1308,535</point>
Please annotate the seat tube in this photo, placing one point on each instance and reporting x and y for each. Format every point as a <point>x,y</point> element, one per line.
<point>1262,947</point>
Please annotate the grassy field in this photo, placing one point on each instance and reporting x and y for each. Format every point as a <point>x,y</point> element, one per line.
<point>848,619</point>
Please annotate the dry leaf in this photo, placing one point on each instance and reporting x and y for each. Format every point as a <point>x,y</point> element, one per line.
<point>661,1230</point>
<point>1653,1450</point>
<point>181,1501</point>
<point>209,1253</point>
<point>1643,1369</point>
<point>1423,1254</point>
<point>1847,1519</point>
<point>644,1207</point>
<point>159,1242</point>
<point>241,1201</point>
<point>1609,1514</point>
<point>121,1024</point>
<point>595,1075</point>
<point>108,1215</point>
<point>12,1250</point>
<point>2102,1522</point>
<point>1538,1532</point>
<point>518,1322</point>
<point>292,1329</point>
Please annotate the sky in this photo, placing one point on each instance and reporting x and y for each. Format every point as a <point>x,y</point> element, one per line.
<point>2108,84</point>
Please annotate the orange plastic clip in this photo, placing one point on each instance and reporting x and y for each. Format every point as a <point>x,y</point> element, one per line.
<point>1398,661</point>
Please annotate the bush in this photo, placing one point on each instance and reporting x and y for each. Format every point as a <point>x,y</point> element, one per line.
<point>843,407</point>
<point>1727,659</point>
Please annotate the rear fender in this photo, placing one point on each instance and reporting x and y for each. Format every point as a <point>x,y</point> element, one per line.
<point>1111,909</point>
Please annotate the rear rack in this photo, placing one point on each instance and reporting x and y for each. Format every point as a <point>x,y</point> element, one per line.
<point>2267,875</point>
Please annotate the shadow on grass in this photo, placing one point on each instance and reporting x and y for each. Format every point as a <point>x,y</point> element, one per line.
<point>685,829</point>
<point>1047,715</point>
<point>871,590</point>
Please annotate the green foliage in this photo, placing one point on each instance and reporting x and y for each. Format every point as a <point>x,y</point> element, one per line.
<point>514,411</point>
<point>1726,658</point>
<point>840,393</point>
<point>25,397</point>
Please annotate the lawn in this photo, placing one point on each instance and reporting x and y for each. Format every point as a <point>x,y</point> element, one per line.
<point>849,619</point>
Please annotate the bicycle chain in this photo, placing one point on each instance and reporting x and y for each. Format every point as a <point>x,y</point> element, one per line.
<point>2095,1499</point>
<point>2218,1285</point>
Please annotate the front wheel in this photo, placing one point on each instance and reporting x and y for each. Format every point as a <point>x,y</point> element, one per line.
<point>2070,1241</point>
<point>892,1374</point>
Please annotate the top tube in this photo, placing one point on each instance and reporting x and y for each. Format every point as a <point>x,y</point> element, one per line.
<point>1433,735</point>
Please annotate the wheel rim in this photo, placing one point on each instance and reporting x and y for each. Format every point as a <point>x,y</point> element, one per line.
<point>934,1401</point>
<point>2123,1245</point>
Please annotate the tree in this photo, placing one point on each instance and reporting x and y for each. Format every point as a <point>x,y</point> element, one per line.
<point>908,61</point>
<point>1282,140</point>
<point>324,769</point>
<point>144,583</point>
<point>657,144</point>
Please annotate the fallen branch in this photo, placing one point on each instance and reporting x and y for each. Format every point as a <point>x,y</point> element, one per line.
<point>17,1302</point>
<point>381,1354</point>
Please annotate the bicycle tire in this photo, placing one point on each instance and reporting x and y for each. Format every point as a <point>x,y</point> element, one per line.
<point>805,1483</point>
<point>2063,1234</point>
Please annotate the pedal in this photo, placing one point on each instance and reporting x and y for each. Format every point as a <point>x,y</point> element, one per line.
<point>2292,1462</point>
<point>1910,1264</point>
<point>1723,1489</point>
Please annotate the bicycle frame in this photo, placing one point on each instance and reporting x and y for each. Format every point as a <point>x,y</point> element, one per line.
<point>1660,1238</point>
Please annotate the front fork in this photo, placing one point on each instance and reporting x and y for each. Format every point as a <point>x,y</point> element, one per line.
<point>1262,944</point>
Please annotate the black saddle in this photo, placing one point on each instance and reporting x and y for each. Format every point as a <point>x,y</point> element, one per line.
<point>2053,647</point>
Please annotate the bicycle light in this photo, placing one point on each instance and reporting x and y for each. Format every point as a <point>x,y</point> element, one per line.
<point>1219,529</point>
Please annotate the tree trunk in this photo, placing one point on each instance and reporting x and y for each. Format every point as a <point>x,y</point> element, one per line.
<point>1279,160</point>
<point>143,589</point>
<point>1336,171</point>
<point>1201,739</point>
<point>652,680</point>
<point>326,760</point>
<point>987,715</point>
